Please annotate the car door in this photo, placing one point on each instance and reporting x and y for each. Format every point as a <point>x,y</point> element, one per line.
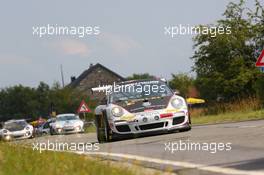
<point>46,128</point>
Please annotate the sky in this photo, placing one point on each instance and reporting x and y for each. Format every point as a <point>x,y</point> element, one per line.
<point>131,38</point>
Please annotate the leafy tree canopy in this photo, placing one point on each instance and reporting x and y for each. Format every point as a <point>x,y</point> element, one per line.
<point>25,102</point>
<point>225,64</point>
<point>181,82</point>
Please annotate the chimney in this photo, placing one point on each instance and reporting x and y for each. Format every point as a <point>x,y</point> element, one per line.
<point>91,65</point>
<point>73,78</point>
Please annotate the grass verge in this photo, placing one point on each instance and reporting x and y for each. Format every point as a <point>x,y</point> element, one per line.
<point>90,129</point>
<point>25,161</point>
<point>229,117</point>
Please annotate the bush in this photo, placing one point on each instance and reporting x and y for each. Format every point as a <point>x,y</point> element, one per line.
<point>30,103</point>
<point>259,88</point>
<point>239,105</point>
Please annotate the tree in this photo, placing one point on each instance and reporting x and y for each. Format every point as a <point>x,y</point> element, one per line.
<point>65,100</point>
<point>43,98</point>
<point>181,82</point>
<point>140,76</point>
<point>30,103</point>
<point>18,102</point>
<point>225,64</point>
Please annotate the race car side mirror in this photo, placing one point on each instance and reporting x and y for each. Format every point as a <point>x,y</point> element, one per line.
<point>176,92</point>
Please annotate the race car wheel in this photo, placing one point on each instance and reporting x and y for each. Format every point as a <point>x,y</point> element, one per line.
<point>190,121</point>
<point>52,132</point>
<point>103,129</point>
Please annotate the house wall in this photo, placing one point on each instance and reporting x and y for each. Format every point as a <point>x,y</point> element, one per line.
<point>98,76</point>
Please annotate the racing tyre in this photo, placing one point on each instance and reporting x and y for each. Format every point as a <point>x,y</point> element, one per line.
<point>52,132</point>
<point>102,129</point>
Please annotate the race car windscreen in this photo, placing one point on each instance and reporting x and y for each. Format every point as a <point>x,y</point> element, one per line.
<point>13,125</point>
<point>140,90</point>
<point>67,117</point>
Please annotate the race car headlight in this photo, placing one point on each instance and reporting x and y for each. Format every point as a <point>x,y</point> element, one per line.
<point>5,131</point>
<point>7,137</point>
<point>177,103</point>
<point>78,127</point>
<point>58,126</point>
<point>27,128</point>
<point>117,111</point>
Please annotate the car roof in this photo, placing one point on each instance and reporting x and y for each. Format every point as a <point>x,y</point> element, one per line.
<point>69,114</point>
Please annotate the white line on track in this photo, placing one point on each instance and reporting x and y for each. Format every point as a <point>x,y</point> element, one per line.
<point>248,126</point>
<point>209,168</point>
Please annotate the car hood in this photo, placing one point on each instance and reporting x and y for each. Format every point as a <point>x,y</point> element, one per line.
<point>140,105</point>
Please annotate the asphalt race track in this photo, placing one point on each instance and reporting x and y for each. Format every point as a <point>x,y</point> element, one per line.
<point>245,157</point>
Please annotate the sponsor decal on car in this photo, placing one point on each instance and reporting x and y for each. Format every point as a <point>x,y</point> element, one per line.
<point>128,117</point>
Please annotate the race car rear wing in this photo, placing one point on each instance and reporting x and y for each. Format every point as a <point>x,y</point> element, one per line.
<point>106,89</point>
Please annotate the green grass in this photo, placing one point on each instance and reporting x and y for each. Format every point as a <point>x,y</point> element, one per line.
<point>228,117</point>
<point>15,159</point>
<point>90,129</point>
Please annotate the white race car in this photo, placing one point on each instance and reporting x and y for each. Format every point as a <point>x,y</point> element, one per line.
<point>66,124</point>
<point>135,107</point>
<point>16,129</point>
